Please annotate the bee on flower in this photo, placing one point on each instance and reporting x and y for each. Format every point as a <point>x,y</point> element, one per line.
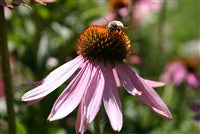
<point>101,53</point>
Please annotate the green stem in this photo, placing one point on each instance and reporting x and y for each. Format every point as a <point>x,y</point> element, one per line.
<point>6,73</point>
<point>97,124</point>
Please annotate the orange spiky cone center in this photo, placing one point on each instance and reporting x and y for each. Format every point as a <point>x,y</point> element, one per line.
<point>97,43</point>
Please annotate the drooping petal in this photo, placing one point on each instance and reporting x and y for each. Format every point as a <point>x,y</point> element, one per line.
<point>153,83</point>
<point>93,97</point>
<point>53,80</point>
<point>127,83</point>
<point>81,122</point>
<point>111,100</point>
<point>91,100</point>
<point>148,96</point>
<point>71,96</point>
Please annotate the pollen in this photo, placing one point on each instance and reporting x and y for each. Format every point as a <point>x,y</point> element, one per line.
<point>97,43</point>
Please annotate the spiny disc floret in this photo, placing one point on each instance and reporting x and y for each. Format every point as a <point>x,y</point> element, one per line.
<point>97,43</point>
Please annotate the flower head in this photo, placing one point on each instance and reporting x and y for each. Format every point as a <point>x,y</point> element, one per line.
<point>101,52</point>
<point>102,43</point>
<point>182,70</point>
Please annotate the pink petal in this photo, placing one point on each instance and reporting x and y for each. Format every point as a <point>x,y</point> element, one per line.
<point>149,96</point>
<point>146,7</point>
<point>111,100</point>
<point>193,80</point>
<point>59,71</point>
<point>175,73</point>
<point>71,96</point>
<point>91,101</point>
<point>81,123</point>
<point>127,83</point>
<point>116,77</point>
<point>153,83</point>
<point>179,76</point>
<point>93,97</point>
<point>53,80</point>
<point>124,12</point>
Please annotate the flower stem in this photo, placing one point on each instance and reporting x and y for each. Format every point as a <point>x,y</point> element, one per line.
<point>97,124</point>
<point>6,73</point>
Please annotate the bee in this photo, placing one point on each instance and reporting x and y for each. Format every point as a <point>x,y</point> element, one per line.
<point>115,25</point>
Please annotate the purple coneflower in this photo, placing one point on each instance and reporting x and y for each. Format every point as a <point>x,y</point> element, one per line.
<point>101,53</point>
<point>182,70</point>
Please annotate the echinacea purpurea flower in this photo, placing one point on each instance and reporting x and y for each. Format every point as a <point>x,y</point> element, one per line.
<point>101,53</point>
<point>182,70</point>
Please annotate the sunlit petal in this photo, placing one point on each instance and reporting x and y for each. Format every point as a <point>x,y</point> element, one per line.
<point>71,96</point>
<point>148,96</point>
<point>111,100</point>
<point>53,80</point>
